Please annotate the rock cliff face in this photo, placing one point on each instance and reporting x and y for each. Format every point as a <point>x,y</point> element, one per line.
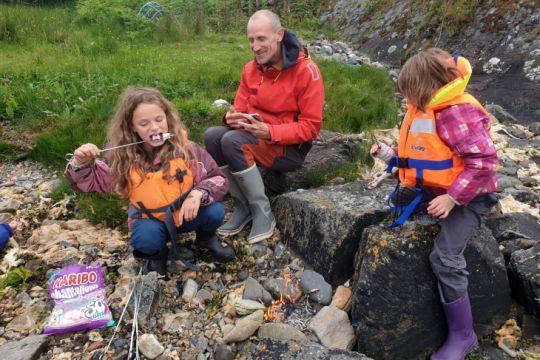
<point>501,38</point>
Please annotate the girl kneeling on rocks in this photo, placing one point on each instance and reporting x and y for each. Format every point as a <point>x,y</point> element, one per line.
<point>446,161</point>
<point>173,185</point>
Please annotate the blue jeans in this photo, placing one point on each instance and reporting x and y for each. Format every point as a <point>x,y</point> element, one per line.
<point>150,236</point>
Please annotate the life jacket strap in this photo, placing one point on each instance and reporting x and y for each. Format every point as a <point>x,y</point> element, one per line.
<point>404,211</point>
<point>170,225</point>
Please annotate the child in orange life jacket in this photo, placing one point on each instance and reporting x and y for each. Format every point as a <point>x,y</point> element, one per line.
<point>446,159</point>
<point>173,184</point>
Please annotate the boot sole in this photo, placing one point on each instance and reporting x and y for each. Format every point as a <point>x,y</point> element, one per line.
<point>234,231</point>
<point>263,236</point>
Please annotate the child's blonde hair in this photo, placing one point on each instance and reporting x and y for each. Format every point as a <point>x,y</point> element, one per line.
<point>121,132</point>
<point>424,73</point>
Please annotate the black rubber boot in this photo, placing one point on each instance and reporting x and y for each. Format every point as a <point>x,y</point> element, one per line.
<point>156,262</point>
<point>212,242</point>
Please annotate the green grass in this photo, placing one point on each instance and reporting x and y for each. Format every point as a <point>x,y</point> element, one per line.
<point>60,78</point>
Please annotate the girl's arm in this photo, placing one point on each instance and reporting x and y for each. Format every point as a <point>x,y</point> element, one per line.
<point>208,177</point>
<point>465,129</point>
<point>90,177</point>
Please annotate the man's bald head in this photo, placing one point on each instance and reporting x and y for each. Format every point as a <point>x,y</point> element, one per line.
<point>268,16</point>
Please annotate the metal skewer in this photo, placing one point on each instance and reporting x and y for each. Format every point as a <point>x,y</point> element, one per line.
<point>164,136</point>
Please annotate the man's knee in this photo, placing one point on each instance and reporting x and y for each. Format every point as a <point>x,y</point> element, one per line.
<point>148,236</point>
<point>213,135</point>
<point>232,141</point>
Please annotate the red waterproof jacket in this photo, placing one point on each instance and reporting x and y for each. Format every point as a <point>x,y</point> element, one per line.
<point>289,100</point>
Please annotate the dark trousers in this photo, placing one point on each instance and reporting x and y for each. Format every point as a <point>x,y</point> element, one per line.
<point>447,260</point>
<point>150,236</point>
<point>240,150</point>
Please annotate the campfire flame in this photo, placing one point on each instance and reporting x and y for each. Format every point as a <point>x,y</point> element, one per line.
<point>277,311</point>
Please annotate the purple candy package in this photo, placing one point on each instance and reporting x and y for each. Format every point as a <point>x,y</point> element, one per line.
<point>79,300</point>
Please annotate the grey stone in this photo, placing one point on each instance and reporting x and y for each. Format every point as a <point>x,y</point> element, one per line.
<point>501,114</point>
<point>319,290</point>
<point>29,348</point>
<point>396,309</point>
<point>204,296</point>
<point>327,50</point>
<point>245,327</point>
<point>279,249</point>
<point>274,349</point>
<point>508,167</point>
<point>10,205</point>
<point>222,104</point>
<point>222,352</point>
<point>324,225</point>
<point>276,287</point>
<point>282,332</point>
<point>524,195</point>
<point>535,128</point>
<point>524,144</point>
<point>508,247</point>
<point>524,275</point>
<point>520,134</point>
<point>33,317</point>
<point>254,291</point>
<point>513,226</point>
<point>150,346</point>
<point>504,182</point>
<point>258,249</point>
<point>149,297</point>
<point>190,290</point>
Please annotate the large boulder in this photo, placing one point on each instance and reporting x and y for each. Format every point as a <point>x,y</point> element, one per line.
<point>324,225</point>
<point>396,309</point>
<point>513,226</point>
<point>325,155</point>
<point>524,274</point>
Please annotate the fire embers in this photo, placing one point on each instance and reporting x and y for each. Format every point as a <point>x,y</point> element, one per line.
<point>291,307</point>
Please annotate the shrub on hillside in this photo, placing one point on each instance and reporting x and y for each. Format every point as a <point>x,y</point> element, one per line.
<point>121,14</point>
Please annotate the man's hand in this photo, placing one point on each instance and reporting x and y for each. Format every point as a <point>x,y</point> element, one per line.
<point>232,118</point>
<point>254,124</point>
<point>441,206</point>
<point>190,207</point>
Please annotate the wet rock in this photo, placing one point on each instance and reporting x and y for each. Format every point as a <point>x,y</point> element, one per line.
<point>254,291</point>
<point>516,132</point>
<point>281,332</point>
<point>324,225</point>
<point>319,290</point>
<point>524,274</point>
<point>342,298</point>
<point>245,327</point>
<point>396,307</point>
<point>513,226</point>
<point>150,346</point>
<point>29,348</point>
<point>333,328</point>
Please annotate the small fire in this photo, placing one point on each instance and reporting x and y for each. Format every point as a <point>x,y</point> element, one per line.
<point>277,312</point>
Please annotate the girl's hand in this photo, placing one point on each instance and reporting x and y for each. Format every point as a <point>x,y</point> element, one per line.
<point>382,151</point>
<point>190,207</point>
<point>85,153</point>
<point>441,206</point>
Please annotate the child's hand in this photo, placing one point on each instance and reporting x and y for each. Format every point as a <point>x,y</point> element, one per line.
<point>441,206</point>
<point>382,151</point>
<point>13,225</point>
<point>190,207</point>
<point>85,153</point>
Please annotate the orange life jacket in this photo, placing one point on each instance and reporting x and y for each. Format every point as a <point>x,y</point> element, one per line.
<point>424,158</point>
<point>152,194</point>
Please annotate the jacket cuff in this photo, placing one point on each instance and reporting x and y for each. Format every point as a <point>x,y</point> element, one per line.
<point>8,228</point>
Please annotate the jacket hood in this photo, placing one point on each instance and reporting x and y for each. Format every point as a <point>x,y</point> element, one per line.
<point>457,86</point>
<point>290,48</point>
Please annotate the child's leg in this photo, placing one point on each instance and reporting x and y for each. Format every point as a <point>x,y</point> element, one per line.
<point>148,237</point>
<point>447,260</point>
